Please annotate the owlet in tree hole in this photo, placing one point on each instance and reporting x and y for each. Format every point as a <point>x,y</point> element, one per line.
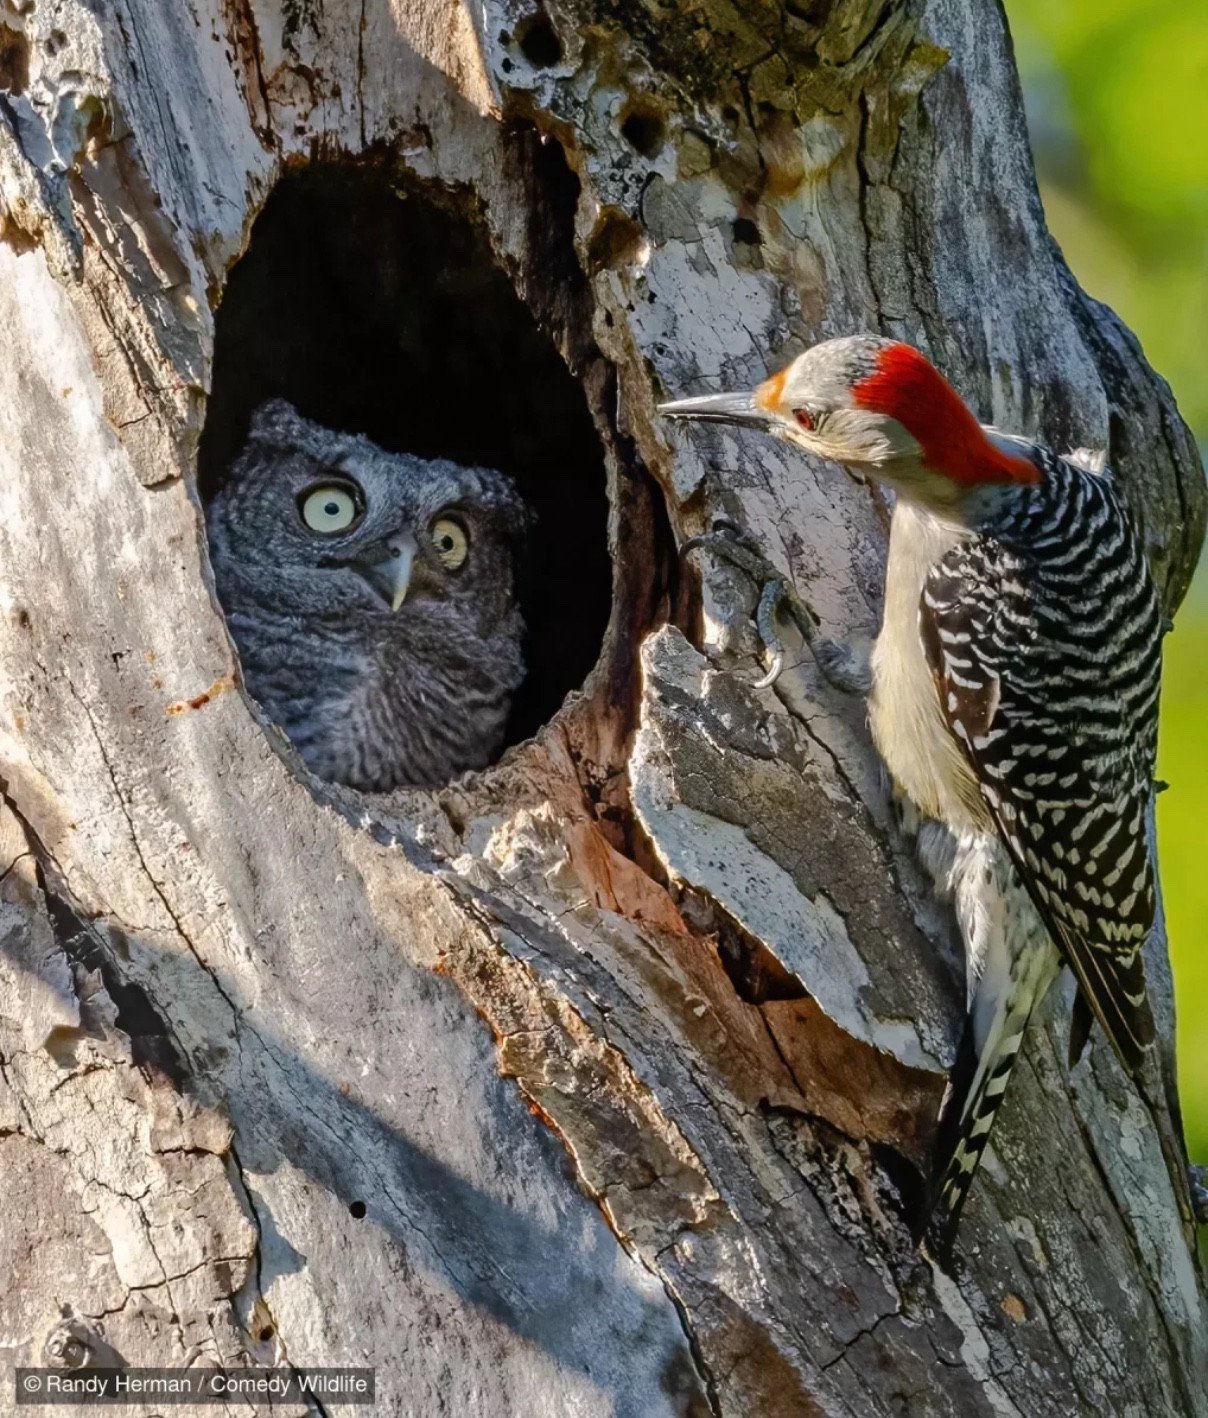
<point>370,595</point>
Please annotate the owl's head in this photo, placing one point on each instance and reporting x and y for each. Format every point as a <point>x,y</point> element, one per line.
<point>328,522</point>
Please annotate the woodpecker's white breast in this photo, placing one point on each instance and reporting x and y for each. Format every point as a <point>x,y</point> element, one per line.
<point>920,752</point>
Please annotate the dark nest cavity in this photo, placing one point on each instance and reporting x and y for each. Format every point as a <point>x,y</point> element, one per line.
<point>377,308</point>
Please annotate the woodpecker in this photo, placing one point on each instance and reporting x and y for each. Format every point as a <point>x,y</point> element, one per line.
<point>1013,698</point>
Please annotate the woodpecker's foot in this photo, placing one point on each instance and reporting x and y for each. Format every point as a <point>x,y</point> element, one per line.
<point>1197,1176</point>
<point>847,664</point>
<point>733,545</point>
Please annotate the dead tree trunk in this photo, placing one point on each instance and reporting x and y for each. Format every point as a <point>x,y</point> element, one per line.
<point>598,1083</point>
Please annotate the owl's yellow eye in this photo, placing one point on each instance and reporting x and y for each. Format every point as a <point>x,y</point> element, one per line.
<point>329,509</point>
<point>450,540</point>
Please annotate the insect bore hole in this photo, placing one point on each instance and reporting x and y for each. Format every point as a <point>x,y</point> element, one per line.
<point>539,42</point>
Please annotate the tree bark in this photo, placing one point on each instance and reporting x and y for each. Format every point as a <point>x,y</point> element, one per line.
<point>600,1082</point>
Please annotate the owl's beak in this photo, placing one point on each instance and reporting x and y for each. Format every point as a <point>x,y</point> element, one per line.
<point>391,573</point>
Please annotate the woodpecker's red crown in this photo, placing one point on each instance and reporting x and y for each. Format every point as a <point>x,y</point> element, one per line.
<point>906,386</point>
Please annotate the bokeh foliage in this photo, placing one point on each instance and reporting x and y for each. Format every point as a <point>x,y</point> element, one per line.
<point>1117,96</point>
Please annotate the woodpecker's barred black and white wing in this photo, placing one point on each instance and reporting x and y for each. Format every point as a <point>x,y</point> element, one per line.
<point>1044,634</point>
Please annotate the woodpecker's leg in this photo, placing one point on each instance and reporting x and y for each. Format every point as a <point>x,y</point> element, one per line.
<point>843,665</point>
<point>847,664</point>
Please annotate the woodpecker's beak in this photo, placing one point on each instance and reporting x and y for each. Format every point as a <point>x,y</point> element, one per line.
<point>740,409</point>
<point>387,567</point>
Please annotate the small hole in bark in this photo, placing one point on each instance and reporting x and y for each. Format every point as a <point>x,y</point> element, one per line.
<point>268,1331</point>
<point>746,232</point>
<point>614,242</point>
<point>375,305</point>
<point>356,1209</point>
<point>539,42</point>
<point>14,61</point>
<point>643,129</point>
<point>814,12</point>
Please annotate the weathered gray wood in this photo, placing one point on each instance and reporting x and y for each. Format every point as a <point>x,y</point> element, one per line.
<point>628,1045</point>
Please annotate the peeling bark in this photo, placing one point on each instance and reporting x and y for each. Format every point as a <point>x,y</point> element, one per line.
<point>601,1081</point>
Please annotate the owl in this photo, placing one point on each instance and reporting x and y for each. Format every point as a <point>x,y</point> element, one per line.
<point>371,598</point>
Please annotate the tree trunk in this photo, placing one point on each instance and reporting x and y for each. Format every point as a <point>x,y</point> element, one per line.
<point>600,1082</point>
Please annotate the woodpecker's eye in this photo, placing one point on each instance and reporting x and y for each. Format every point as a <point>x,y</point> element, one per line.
<point>330,507</point>
<point>451,542</point>
<point>804,419</point>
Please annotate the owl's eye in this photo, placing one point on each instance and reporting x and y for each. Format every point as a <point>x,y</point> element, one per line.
<point>450,540</point>
<point>330,508</point>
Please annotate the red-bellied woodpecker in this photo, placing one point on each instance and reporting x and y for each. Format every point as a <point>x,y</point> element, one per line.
<point>1014,698</point>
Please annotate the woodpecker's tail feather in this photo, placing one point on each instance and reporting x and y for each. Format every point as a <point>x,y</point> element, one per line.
<point>936,1224</point>
<point>975,1095</point>
<point>978,1086</point>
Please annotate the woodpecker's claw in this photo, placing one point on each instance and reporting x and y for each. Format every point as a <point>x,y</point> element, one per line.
<point>730,543</point>
<point>765,618</point>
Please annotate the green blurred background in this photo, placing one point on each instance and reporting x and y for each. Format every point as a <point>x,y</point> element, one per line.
<point>1117,100</point>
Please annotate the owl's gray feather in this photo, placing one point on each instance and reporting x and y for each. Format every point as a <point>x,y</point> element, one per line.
<point>372,697</point>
